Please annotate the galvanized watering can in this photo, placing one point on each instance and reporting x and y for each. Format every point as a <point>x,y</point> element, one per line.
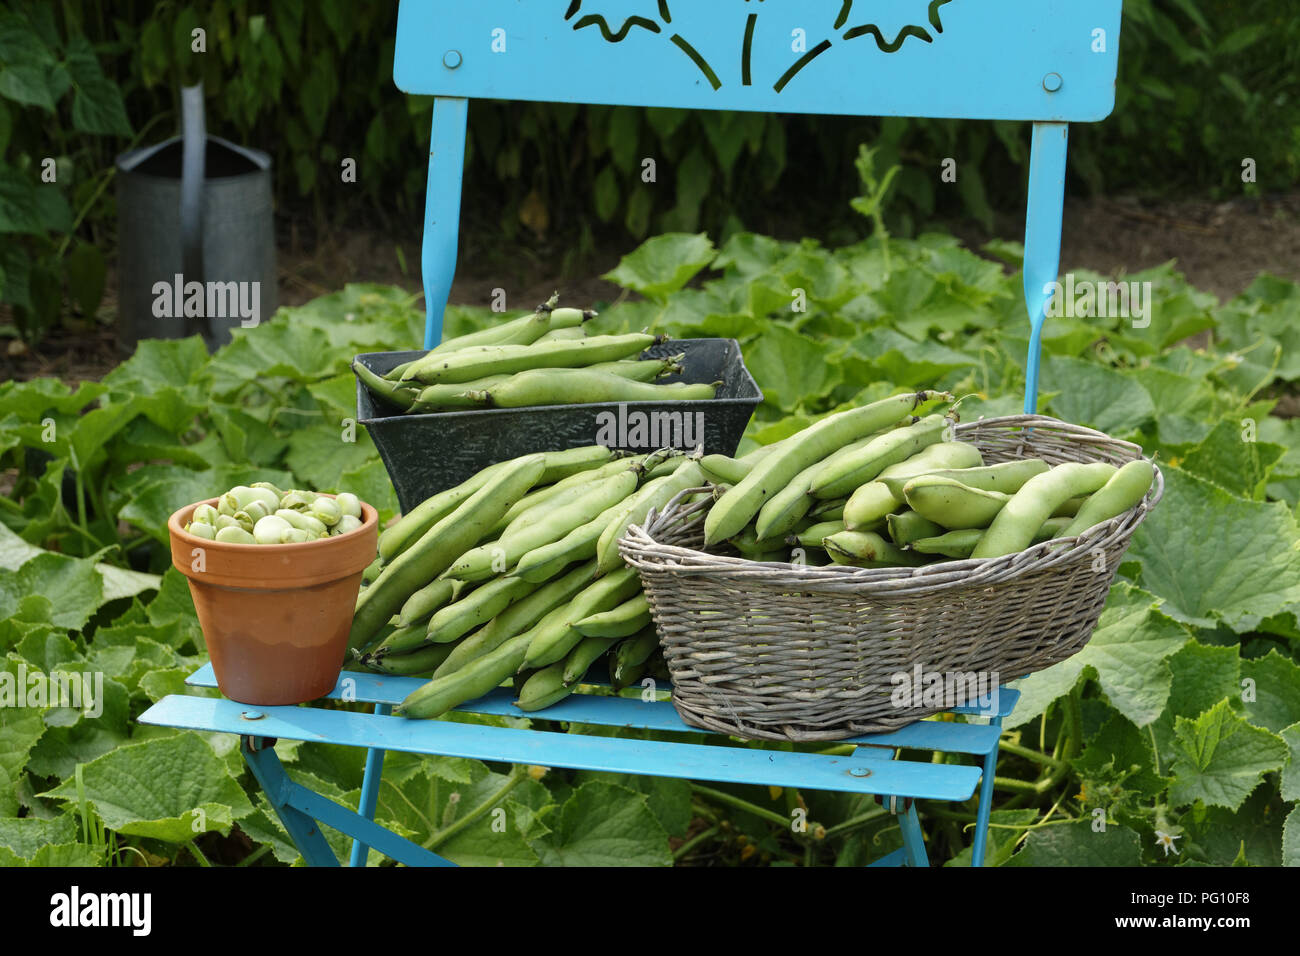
<point>196,235</point>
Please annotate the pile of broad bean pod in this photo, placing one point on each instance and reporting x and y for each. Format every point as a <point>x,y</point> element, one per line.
<point>515,574</point>
<point>539,359</point>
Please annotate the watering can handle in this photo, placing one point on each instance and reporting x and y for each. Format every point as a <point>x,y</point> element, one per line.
<point>194,141</point>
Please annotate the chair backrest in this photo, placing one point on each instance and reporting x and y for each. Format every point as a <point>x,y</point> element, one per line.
<point>1050,62</point>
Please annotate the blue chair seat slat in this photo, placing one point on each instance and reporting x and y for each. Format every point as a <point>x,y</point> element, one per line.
<point>635,713</point>
<point>370,688</point>
<point>939,735</point>
<point>619,755</point>
<point>1007,699</point>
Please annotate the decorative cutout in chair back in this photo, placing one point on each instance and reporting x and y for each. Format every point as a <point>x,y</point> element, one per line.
<point>1044,60</point>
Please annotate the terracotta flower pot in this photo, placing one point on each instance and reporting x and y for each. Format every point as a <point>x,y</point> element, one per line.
<point>275,616</point>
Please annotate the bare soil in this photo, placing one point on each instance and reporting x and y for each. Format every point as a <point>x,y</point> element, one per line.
<point>1219,246</point>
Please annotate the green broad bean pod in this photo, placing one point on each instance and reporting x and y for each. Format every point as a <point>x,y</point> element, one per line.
<point>465,365</point>
<point>951,504</point>
<point>738,505</point>
<point>580,386</point>
<point>1018,522</point>
<point>436,549</point>
<point>1124,489</point>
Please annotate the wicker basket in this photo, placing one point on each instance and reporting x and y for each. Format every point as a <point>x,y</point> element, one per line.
<point>788,652</point>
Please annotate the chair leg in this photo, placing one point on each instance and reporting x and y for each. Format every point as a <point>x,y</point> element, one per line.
<point>299,809</point>
<point>913,841</point>
<point>986,802</point>
<point>303,829</point>
<point>353,824</point>
<point>369,791</point>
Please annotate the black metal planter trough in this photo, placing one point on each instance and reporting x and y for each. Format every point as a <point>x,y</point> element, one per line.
<point>425,454</point>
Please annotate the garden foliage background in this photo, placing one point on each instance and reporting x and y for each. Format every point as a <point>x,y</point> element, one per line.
<point>1179,723</point>
<point>1200,80</point>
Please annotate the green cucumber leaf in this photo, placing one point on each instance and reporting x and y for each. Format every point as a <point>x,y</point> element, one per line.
<point>24,837</point>
<point>605,825</point>
<point>1202,550</point>
<point>247,439</point>
<point>426,806</point>
<point>791,367</point>
<point>749,254</point>
<point>1228,460</point>
<point>1291,772</point>
<point>81,736</point>
<point>275,349</point>
<point>159,363</point>
<point>174,603</point>
<point>1276,691</point>
<point>59,855</point>
<point>1249,836</point>
<point>1128,655</point>
<point>262,827</point>
<point>320,455</point>
<point>1098,397</point>
<point>20,730</point>
<point>77,583</point>
<point>1001,840</point>
<point>663,265</point>
<point>337,395</point>
<point>1119,758</point>
<point>169,788</point>
<point>1221,758</point>
<point>1078,844</point>
<point>668,798</point>
<point>1291,839</point>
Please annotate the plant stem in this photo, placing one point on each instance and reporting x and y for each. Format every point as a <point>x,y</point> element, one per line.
<point>693,842</point>
<point>81,505</point>
<point>198,854</point>
<point>1032,826</point>
<point>1074,712</point>
<point>1029,754</point>
<point>1067,745</point>
<point>1056,806</point>
<point>703,810</point>
<point>854,822</point>
<point>517,775</point>
<point>97,502</point>
<point>127,848</point>
<point>1058,747</point>
<point>741,804</point>
<point>256,855</point>
<point>1006,783</point>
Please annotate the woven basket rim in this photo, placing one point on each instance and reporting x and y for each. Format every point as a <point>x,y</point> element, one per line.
<point>640,549</point>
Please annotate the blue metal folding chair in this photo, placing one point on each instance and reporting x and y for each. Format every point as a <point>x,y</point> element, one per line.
<point>1049,62</point>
